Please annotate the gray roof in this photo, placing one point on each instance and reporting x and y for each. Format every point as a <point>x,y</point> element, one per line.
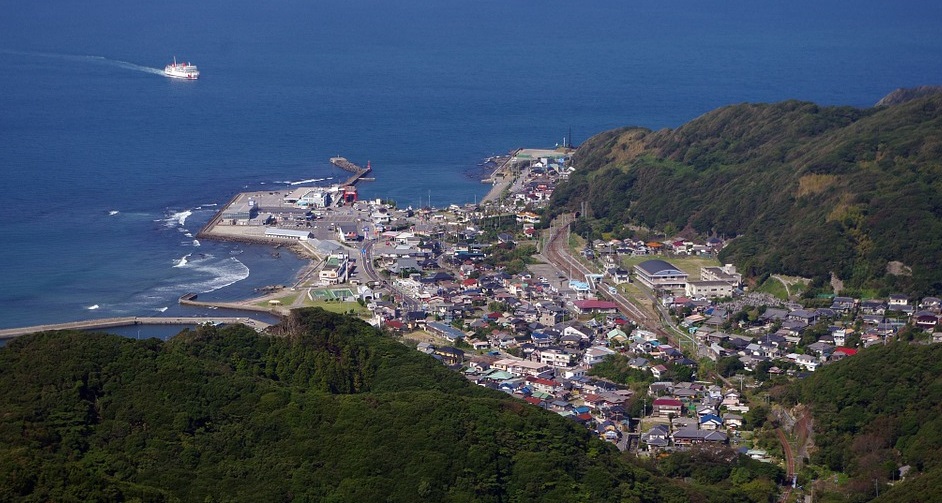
<point>653,267</point>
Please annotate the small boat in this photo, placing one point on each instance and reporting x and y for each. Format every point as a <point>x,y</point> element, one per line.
<point>187,71</point>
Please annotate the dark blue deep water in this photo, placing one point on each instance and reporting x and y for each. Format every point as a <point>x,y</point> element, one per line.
<point>423,89</point>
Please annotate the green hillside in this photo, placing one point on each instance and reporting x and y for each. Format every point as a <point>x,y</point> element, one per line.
<point>875,413</point>
<point>329,411</point>
<point>805,190</point>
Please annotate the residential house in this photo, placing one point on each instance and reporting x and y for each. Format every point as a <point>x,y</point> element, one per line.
<point>665,406</point>
<point>596,354</point>
<point>693,437</point>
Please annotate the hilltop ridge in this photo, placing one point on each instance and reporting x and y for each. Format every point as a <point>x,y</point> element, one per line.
<point>821,192</point>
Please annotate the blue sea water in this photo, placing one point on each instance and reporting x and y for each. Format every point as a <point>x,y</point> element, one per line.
<point>108,168</point>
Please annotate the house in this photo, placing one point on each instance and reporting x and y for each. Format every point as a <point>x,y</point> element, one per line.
<point>843,305</point>
<point>449,332</point>
<point>897,300</point>
<point>692,437</point>
<point>710,422</point>
<point>449,355</point>
<point>809,363</point>
<point>665,406</point>
<point>873,306</point>
<point>347,233</point>
<point>821,349</point>
<point>657,437</point>
<point>595,355</point>
<point>925,319</point>
<point>732,421</point>
<point>841,353</point>
<point>595,306</point>
<point>522,368</point>
<point>554,356</point>
<point>658,371</point>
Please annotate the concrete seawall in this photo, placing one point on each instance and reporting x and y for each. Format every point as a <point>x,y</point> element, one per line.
<point>128,321</point>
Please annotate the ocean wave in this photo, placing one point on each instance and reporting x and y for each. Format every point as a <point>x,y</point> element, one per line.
<point>312,180</point>
<point>113,212</point>
<point>225,272</point>
<point>189,235</point>
<point>92,308</point>
<point>211,274</point>
<point>161,309</point>
<point>182,262</point>
<point>196,242</point>
<point>178,218</point>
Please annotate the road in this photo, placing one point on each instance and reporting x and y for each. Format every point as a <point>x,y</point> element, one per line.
<point>366,262</point>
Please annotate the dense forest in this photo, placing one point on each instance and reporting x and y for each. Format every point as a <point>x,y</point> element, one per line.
<point>805,190</point>
<point>876,413</point>
<point>328,409</point>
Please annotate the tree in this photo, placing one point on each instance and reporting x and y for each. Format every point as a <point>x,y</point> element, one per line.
<point>728,366</point>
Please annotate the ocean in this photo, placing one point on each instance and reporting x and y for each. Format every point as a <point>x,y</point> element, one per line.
<point>109,169</point>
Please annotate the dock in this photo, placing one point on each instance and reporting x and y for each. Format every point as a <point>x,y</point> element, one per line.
<point>129,321</point>
<point>358,171</point>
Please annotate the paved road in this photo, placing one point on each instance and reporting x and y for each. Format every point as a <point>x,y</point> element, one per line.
<point>366,262</point>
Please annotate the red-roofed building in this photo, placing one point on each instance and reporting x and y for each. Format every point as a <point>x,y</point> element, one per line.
<point>595,306</point>
<point>394,325</point>
<point>542,385</point>
<point>664,406</point>
<point>841,352</point>
<point>534,400</point>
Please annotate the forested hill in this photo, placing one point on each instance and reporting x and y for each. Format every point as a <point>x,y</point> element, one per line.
<point>875,413</point>
<point>329,411</point>
<point>806,190</point>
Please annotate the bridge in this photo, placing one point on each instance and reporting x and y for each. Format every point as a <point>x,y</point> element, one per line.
<point>127,321</point>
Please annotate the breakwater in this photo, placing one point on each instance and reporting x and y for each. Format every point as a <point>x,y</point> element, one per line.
<point>128,321</point>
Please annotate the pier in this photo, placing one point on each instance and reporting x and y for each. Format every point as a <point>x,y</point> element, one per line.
<point>129,321</point>
<point>358,171</point>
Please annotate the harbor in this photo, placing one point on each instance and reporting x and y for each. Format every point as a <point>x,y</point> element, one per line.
<point>320,223</point>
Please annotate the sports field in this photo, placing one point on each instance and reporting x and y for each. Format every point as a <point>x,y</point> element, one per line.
<point>331,294</point>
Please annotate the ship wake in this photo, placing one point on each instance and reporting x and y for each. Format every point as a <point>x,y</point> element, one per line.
<point>90,59</point>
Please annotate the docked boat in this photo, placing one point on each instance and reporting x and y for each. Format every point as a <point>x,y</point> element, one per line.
<point>186,71</point>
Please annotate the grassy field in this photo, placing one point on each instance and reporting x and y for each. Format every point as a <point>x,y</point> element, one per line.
<point>774,287</point>
<point>285,300</point>
<point>784,287</point>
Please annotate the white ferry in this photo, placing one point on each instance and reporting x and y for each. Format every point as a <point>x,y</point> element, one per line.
<point>186,71</point>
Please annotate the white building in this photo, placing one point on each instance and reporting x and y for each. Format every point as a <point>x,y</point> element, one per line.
<point>661,275</point>
<point>336,269</point>
<point>596,354</point>
<point>708,289</point>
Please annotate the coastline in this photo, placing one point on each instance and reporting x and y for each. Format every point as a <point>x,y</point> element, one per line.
<point>311,249</point>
